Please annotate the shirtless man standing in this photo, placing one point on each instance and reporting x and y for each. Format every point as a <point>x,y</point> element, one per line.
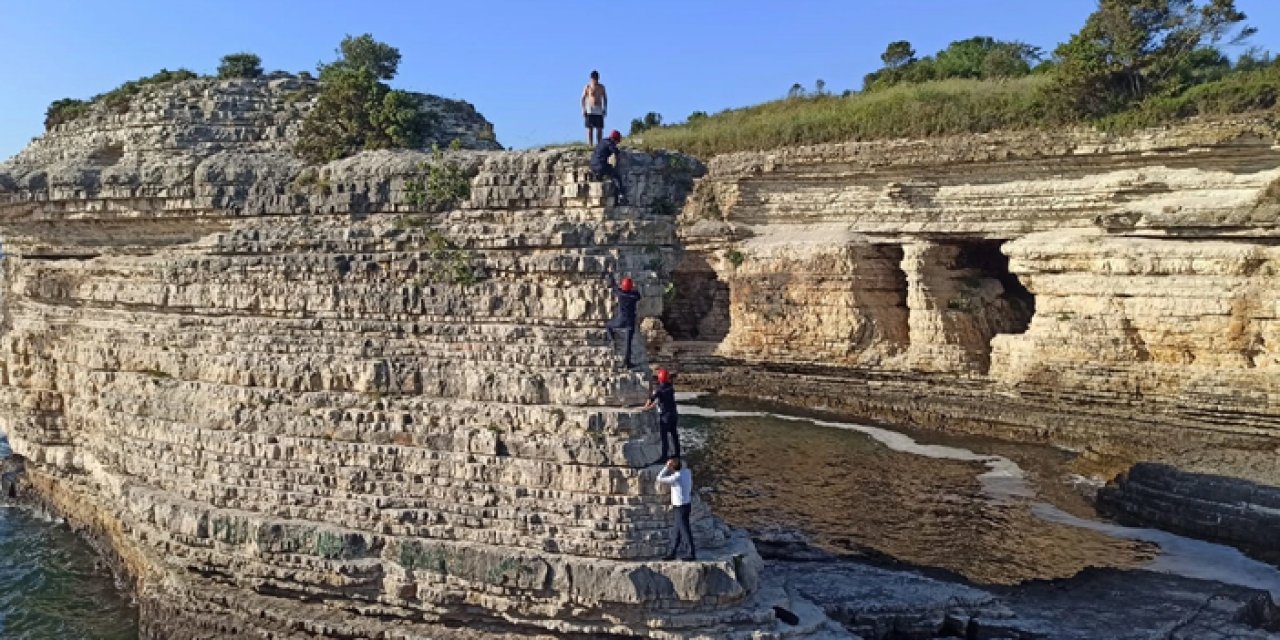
<point>595,106</point>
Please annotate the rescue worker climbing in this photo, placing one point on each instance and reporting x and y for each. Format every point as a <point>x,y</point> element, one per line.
<point>664,397</point>
<point>601,167</point>
<point>625,317</point>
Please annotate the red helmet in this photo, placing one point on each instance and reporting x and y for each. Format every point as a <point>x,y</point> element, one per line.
<point>663,376</point>
<point>615,135</point>
<point>627,285</point>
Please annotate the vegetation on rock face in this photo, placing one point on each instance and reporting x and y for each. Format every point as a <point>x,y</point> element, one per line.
<point>240,65</point>
<point>451,262</point>
<point>1134,63</point>
<point>735,257</point>
<point>444,185</point>
<point>355,110</point>
<point>63,111</point>
<point>116,100</point>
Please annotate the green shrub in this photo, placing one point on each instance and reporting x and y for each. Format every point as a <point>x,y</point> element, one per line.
<point>451,262</point>
<point>1239,92</point>
<point>63,111</point>
<point>444,260</point>
<point>355,111</point>
<point>444,185</point>
<point>240,65</point>
<point>735,257</point>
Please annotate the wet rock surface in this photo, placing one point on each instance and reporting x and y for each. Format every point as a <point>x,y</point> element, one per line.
<point>886,603</point>
<point>1206,506</point>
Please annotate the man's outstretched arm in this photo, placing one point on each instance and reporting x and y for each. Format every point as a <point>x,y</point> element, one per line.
<point>667,476</point>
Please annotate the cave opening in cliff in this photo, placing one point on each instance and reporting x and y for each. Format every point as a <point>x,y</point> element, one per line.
<point>697,304</point>
<point>985,260</point>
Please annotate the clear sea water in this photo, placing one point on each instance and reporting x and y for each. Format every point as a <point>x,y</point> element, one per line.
<point>53,586</point>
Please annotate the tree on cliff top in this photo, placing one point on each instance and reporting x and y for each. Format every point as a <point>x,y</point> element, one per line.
<point>240,65</point>
<point>898,55</point>
<point>363,52</point>
<point>976,57</point>
<point>1131,49</point>
<point>355,111</point>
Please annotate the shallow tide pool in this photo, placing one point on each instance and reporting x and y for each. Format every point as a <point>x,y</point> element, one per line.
<point>990,511</point>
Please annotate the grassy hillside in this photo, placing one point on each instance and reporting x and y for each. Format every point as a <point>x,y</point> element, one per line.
<point>946,107</point>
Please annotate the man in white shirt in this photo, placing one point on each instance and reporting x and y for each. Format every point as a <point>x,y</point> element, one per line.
<point>680,480</point>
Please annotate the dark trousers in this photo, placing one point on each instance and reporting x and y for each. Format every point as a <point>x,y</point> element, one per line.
<point>607,171</point>
<point>667,427</point>
<point>680,530</point>
<point>629,328</point>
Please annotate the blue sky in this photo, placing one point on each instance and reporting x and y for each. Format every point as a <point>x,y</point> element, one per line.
<point>521,62</point>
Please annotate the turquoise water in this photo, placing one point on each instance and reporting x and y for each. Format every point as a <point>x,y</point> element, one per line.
<point>53,586</point>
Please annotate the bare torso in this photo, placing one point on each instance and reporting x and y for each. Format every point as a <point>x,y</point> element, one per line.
<point>593,98</point>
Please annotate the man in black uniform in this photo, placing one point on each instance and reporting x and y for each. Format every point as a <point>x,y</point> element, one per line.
<point>664,397</point>
<point>625,318</point>
<point>601,167</point>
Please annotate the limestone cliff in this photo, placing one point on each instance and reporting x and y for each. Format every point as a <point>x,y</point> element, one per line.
<point>1103,291</point>
<point>299,402</point>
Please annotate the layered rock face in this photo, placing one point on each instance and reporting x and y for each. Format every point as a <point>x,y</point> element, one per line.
<point>335,403</point>
<point>1111,292</point>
